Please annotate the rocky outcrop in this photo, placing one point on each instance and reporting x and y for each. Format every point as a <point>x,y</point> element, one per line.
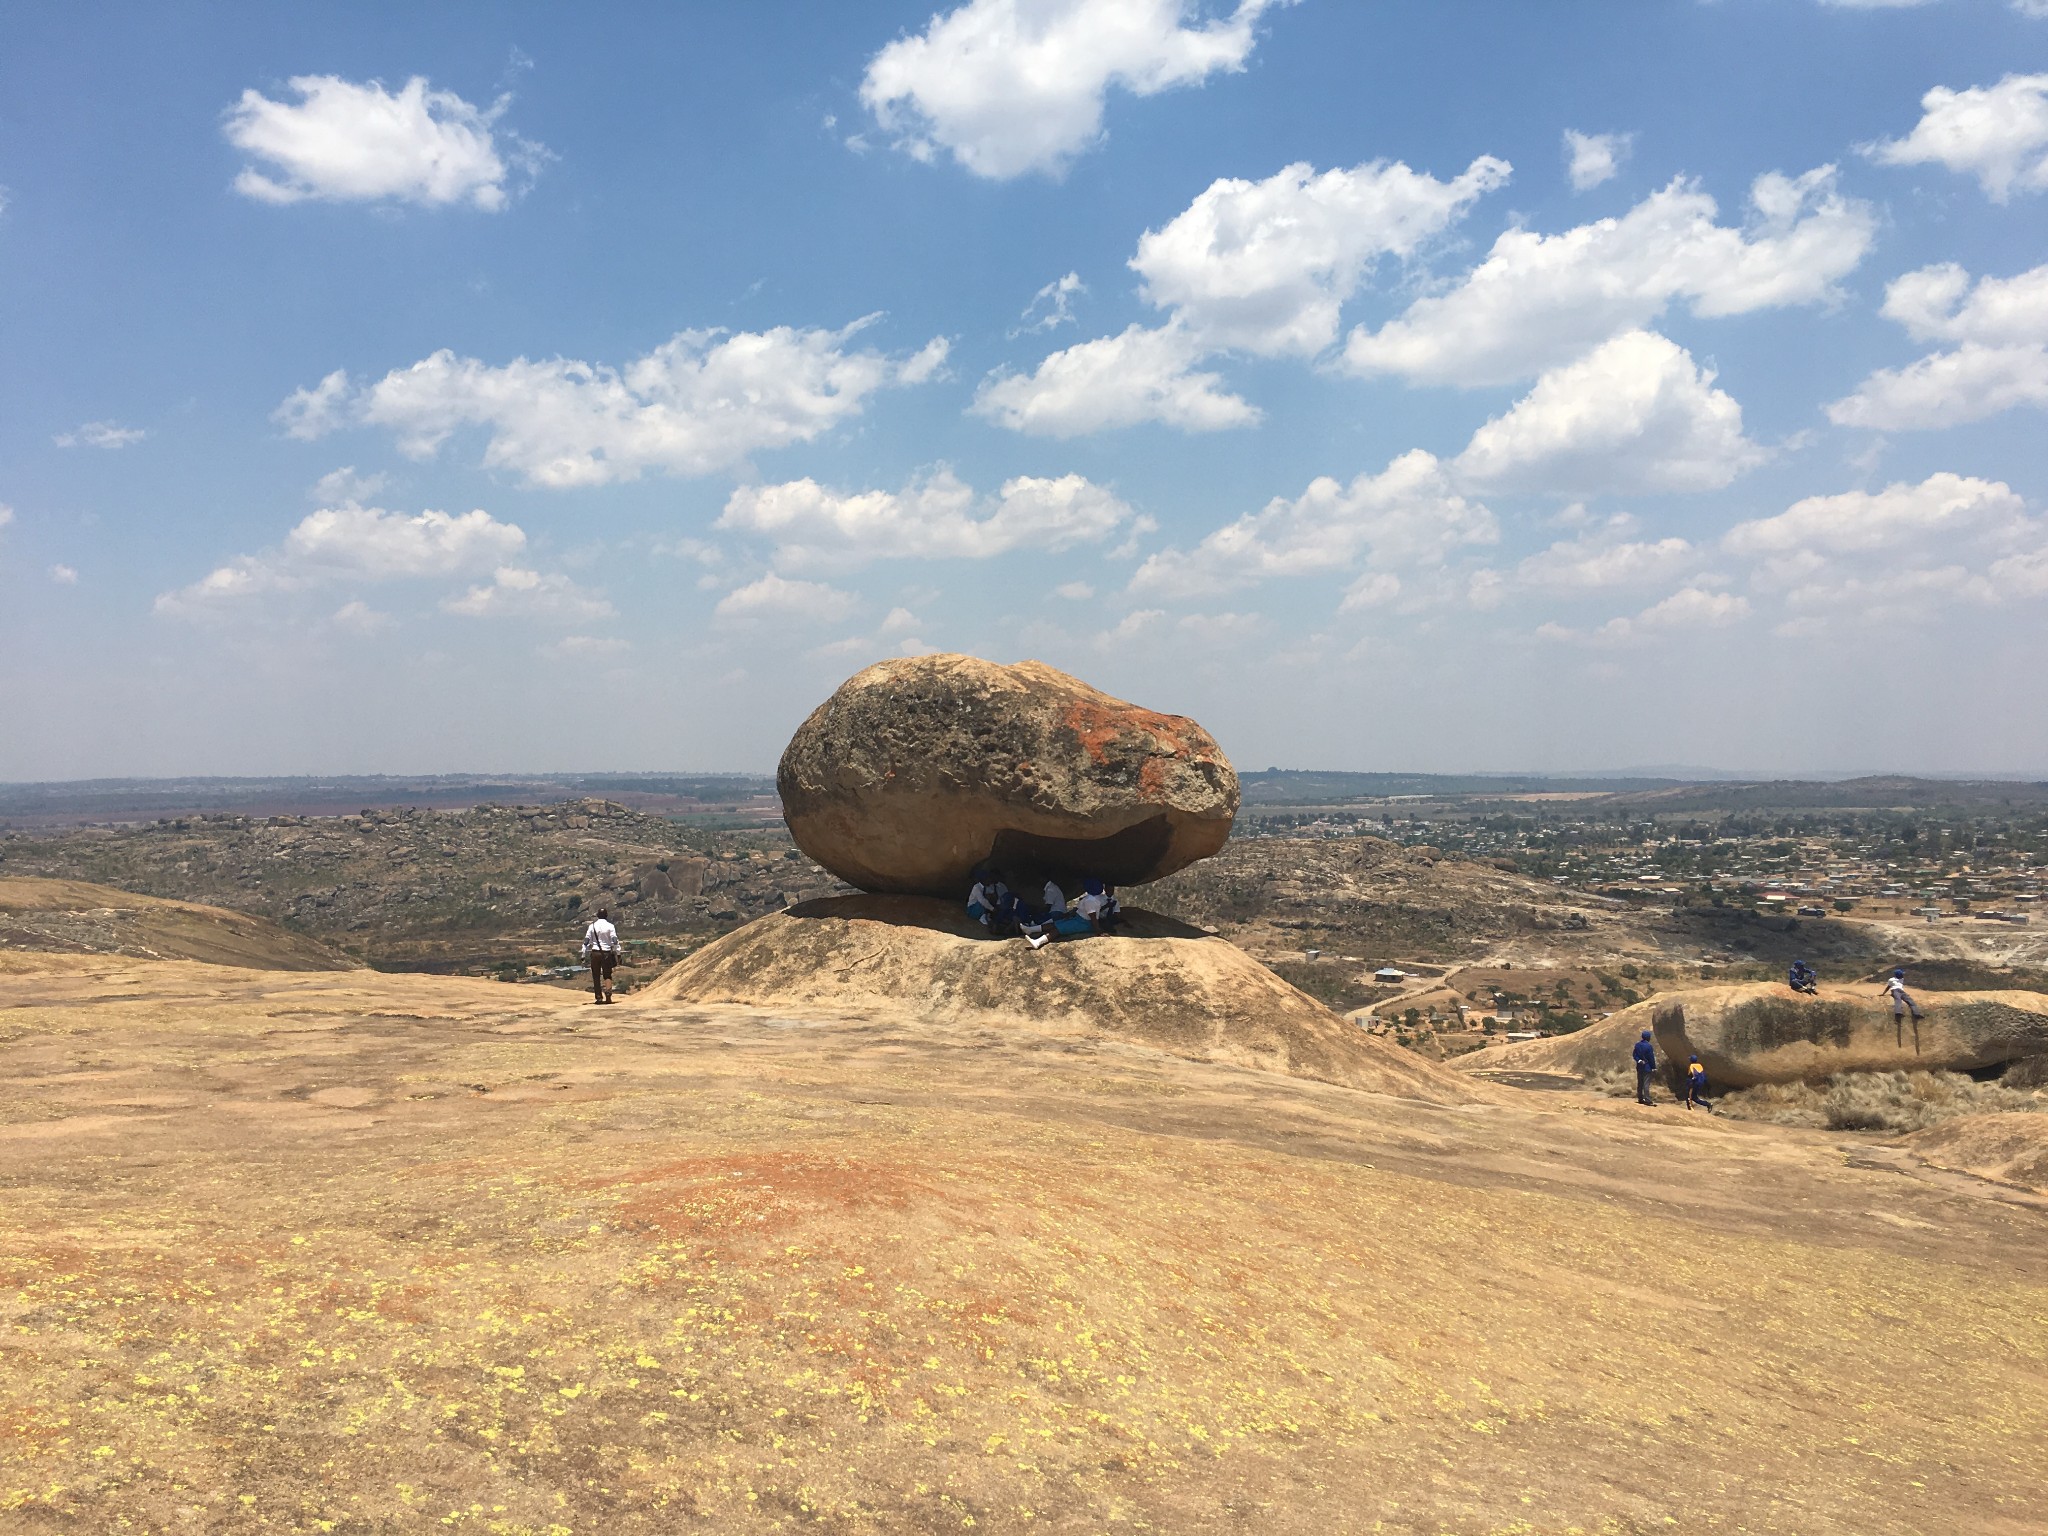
<point>1157,983</point>
<point>1763,1033</point>
<point>919,769</point>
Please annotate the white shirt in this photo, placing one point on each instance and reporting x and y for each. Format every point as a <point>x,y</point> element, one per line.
<point>1088,904</point>
<point>1897,984</point>
<point>601,935</point>
<point>1055,898</point>
<point>981,896</point>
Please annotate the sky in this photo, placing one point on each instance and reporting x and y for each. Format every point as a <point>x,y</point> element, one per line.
<point>1470,386</point>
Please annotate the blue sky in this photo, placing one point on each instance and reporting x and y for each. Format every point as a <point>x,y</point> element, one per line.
<point>1478,385</point>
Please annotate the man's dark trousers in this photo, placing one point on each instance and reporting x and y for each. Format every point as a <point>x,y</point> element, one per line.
<point>1643,1075</point>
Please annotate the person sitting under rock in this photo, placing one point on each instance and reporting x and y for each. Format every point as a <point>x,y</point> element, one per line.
<point>1055,921</point>
<point>1804,978</point>
<point>601,949</point>
<point>1098,905</point>
<point>981,900</point>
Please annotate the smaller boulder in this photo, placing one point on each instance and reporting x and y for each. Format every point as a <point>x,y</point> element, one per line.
<point>1762,1032</point>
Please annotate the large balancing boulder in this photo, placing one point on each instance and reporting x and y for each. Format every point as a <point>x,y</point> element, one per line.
<point>1765,1033</point>
<point>919,769</point>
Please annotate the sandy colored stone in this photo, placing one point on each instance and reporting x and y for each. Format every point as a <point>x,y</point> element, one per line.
<point>918,769</point>
<point>1763,1032</point>
<point>1158,983</point>
<point>76,917</point>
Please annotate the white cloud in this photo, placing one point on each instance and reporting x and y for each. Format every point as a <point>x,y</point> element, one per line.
<point>1115,381</point>
<point>6,514</point>
<point>100,434</point>
<point>359,543</point>
<point>938,517</point>
<point>701,402</point>
<point>2002,324</point>
<point>1947,389</point>
<point>1942,507</point>
<point>339,487</point>
<point>515,592</point>
<point>1540,300</point>
<point>1997,133</point>
<point>1634,415</point>
<point>1909,551</point>
<point>358,617</point>
<point>1591,564</point>
<point>1051,307</point>
<point>776,597</point>
<point>343,142</point>
<point>1265,266</point>
<point>1128,628</point>
<point>313,412</point>
<point>1593,158</point>
<point>64,575</point>
<point>1939,304</point>
<point>1689,608</point>
<point>1012,86</point>
<point>1407,515</point>
<point>1074,591</point>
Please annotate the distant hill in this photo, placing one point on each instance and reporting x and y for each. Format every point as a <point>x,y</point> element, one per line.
<point>1275,787</point>
<point>69,803</point>
<point>1292,786</point>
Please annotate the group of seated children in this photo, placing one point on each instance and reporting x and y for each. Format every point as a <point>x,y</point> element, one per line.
<point>1003,912</point>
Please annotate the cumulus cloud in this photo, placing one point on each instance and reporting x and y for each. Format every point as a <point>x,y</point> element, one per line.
<point>353,543</point>
<point>343,142</point>
<point>1540,300</point>
<point>1634,415</point>
<point>778,598</point>
<point>516,592</point>
<point>1115,381</point>
<point>1908,550</point>
<point>1997,133</point>
<point>1593,158</point>
<point>1008,87</point>
<point>1408,515</point>
<point>2002,324</point>
<point>64,575</point>
<point>1690,608</point>
<point>1594,564</point>
<point>1942,507</point>
<point>1265,266</point>
<point>938,517</point>
<point>100,434</point>
<point>1947,389</point>
<point>701,402</point>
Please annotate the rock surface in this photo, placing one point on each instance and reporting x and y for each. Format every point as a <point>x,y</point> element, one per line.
<point>74,917</point>
<point>1761,1032</point>
<point>1160,984</point>
<point>918,769</point>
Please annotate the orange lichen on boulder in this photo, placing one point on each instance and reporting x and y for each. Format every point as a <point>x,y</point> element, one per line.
<point>918,770</point>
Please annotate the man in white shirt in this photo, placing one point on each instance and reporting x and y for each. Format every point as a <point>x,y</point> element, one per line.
<point>601,949</point>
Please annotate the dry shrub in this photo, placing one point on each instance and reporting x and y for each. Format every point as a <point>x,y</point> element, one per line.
<point>1879,1101</point>
<point>1615,1082</point>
